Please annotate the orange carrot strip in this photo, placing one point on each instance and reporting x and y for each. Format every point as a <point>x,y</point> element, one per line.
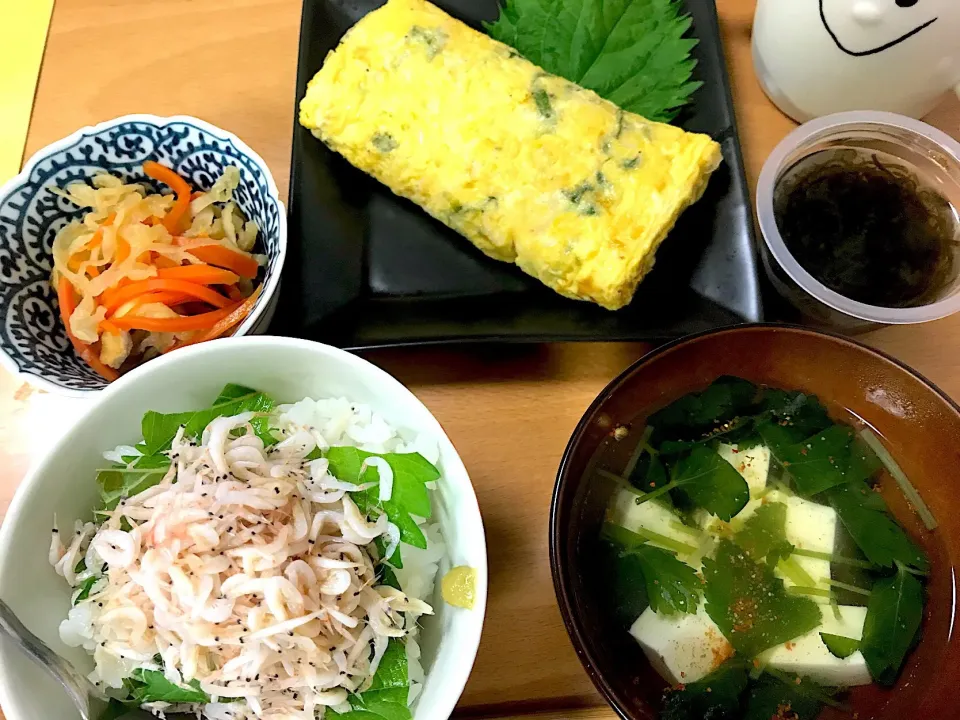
<point>233,292</point>
<point>94,242</point>
<point>109,327</point>
<point>179,186</point>
<point>123,250</point>
<point>162,261</point>
<point>106,297</point>
<point>164,296</point>
<point>129,292</point>
<point>201,274</point>
<point>84,350</point>
<point>97,238</point>
<point>234,318</point>
<point>177,324</point>
<point>239,312</point>
<point>241,263</point>
<point>89,355</point>
<point>98,233</point>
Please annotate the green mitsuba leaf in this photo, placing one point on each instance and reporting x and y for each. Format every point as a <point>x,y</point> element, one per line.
<point>392,671</point>
<point>249,400</point>
<point>698,415</point>
<point>715,697</point>
<point>763,534</point>
<point>649,473</point>
<point>147,686</point>
<point>389,704</point>
<point>879,537</point>
<point>736,411</point>
<point>789,417</point>
<point>704,479</point>
<point>351,715</point>
<point>894,613</point>
<point>750,604</point>
<point>159,429</point>
<point>839,646</point>
<point>628,586</point>
<point>386,698</point>
<point>114,710</point>
<point>832,457</point>
<point>395,560</point>
<point>126,481</point>
<point>635,53</point>
<point>411,472</point>
<point>771,698</point>
<point>386,576</point>
<point>671,585</point>
<point>84,589</point>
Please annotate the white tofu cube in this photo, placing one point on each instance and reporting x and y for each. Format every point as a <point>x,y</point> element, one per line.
<point>682,648</point>
<point>809,657</point>
<point>651,516</point>
<point>809,526</point>
<point>753,464</point>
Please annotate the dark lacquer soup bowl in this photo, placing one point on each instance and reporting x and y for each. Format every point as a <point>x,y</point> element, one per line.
<point>919,426</point>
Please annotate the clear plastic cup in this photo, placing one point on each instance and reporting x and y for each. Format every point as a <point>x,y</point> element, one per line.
<point>933,155</point>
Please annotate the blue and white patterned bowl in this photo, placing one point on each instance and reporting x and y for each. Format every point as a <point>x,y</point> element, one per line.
<point>32,338</point>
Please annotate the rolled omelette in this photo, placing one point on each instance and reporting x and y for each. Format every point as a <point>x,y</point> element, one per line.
<point>530,167</point>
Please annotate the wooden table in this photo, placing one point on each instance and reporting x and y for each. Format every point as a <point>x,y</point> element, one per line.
<point>508,410</point>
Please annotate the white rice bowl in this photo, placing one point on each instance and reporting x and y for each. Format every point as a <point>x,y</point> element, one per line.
<point>62,485</point>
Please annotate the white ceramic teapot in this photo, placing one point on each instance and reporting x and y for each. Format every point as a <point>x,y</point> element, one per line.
<point>816,57</point>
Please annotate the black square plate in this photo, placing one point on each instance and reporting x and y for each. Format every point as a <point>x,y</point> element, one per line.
<point>367,268</point>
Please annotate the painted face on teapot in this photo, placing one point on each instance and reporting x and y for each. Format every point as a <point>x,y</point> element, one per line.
<point>867,27</point>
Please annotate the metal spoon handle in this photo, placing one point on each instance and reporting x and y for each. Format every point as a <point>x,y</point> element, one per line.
<point>76,685</point>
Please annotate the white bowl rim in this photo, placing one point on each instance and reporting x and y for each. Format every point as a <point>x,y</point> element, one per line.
<point>270,285</point>
<point>458,675</point>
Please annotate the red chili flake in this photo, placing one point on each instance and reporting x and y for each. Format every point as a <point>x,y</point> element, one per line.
<point>785,712</point>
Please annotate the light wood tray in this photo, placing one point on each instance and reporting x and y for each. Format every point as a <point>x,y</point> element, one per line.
<point>509,411</point>
<point>511,436</point>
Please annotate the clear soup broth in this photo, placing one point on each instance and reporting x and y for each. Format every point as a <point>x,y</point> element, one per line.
<point>618,465</point>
